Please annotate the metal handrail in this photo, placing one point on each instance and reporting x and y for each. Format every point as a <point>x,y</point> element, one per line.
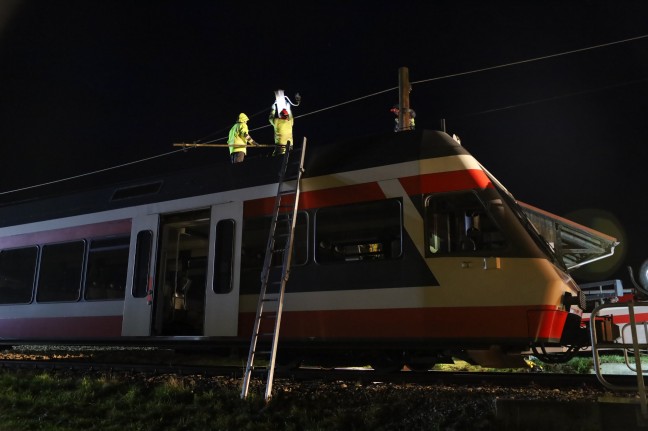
<point>634,345</point>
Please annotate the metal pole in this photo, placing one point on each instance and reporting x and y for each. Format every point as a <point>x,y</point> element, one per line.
<point>190,145</point>
<point>637,358</point>
<point>404,105</point>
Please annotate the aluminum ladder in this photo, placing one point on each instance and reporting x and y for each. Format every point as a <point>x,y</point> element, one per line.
<point>276,269</point>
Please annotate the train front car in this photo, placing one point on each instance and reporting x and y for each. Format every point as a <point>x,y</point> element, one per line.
<point>501,288</point>
<point>420,256</point>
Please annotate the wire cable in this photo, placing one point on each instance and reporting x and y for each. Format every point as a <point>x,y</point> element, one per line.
<point>531,60</point>
<point>438,78</point>
<point>91,173</point>
<point>549,99</point>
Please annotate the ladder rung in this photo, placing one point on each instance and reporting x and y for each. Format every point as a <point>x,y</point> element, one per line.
<point>270,299</point>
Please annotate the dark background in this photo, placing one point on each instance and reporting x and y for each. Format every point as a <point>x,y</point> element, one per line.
<point>550,97</point>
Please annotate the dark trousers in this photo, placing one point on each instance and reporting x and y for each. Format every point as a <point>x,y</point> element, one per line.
<point>237,156</point>
<point>280,149</point>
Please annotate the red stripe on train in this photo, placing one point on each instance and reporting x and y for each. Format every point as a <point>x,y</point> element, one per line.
<point>446,182</point>
<point>541,323</point>
<point>319,198</point>
<point>417,184</point>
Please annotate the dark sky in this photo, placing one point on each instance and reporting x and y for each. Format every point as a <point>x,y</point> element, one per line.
<point>87,85</point>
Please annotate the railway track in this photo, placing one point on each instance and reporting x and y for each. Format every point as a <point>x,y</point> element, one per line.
<point>350,375</point>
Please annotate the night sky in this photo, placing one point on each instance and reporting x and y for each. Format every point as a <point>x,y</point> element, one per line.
<point>552,98</point>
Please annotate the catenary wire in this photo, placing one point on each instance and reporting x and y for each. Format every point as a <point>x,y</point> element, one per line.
<point>549,99</point>
<point>92,172</point>
<point>531,60</point>
<point>453,75</point>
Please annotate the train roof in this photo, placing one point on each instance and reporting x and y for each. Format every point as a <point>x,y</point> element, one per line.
<point>207,170</point>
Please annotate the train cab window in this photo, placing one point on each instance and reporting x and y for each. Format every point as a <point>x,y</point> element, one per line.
<point>359,232</point>
<point>459,223</point>
<point>17,270</point>
<point>141,274</point>
<point>224,256</point>
<point>107,268</point>
<point>60,272</point>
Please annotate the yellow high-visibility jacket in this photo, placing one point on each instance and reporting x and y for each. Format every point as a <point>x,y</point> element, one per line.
<point>239,138</point>
<point>282,129</point>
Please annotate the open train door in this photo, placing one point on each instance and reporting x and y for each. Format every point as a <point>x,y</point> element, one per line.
<point>141,269</point>
<point>223,273</point>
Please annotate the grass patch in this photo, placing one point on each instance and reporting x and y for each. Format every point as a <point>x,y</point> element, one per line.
<point>56,401</point>
<point>65,401</point>
<point>60,401</point>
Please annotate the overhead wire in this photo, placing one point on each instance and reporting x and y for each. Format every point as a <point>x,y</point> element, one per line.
<point>91,173</point>
<point>320,110</point>
<point>548,99</point>
<point>531,60</point>
<point>438,78</point>
<point>202,140</point>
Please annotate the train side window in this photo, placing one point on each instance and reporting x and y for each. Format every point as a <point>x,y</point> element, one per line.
<point>224,256</point>
<point>59,277</point>
<point>359,232</point>
<point>459,223</point>
<point>255,241</point>
<point>106,269</point>
<point>141,273</point>
<point>17,271</point>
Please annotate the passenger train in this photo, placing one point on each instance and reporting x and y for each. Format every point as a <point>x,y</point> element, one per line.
<point>407,251</point>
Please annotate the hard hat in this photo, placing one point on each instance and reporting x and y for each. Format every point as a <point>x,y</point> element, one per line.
<point>243,118</point>
<point>284,114</point>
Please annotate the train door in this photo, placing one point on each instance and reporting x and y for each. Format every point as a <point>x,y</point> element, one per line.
<point>222,296</point>
<point>141,267</point>
<point>179,304</point>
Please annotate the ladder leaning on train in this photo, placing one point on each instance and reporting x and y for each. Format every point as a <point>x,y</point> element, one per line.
<point>276,269</point>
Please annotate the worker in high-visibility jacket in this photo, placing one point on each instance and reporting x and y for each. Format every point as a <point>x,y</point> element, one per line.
<point>239,138</point>
<point>282,122</point>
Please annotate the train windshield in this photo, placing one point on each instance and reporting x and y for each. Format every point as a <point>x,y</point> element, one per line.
<point>528,225</point>
<point>458,222</point>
